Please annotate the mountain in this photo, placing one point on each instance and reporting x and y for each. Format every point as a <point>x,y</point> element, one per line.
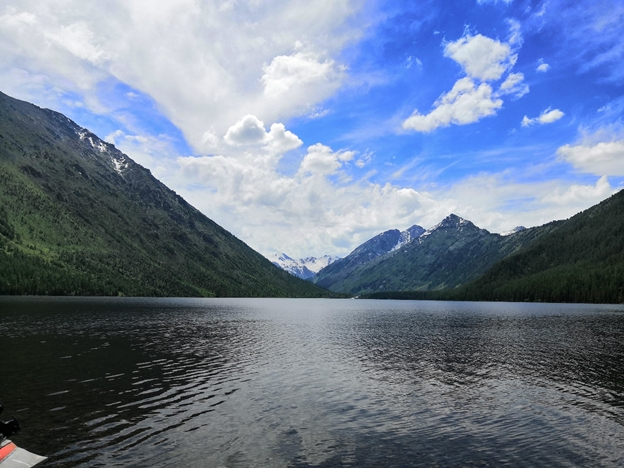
<point>77,216</point>
<point>513,231</point>
<point>582,260</point>
<point>304,268</point>
<point>450,254</point>
<point>378,246</point>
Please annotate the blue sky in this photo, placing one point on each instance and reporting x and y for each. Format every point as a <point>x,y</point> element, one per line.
<point>309,126</point>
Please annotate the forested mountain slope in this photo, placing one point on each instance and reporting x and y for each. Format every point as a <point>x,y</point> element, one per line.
<point>581,261</point>
<point>450,254</point>
<point>77,216</point>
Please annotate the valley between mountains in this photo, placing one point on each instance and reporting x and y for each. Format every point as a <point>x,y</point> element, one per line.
<point>78,217</point>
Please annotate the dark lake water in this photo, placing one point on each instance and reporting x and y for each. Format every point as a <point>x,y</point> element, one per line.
<point>328,383</point>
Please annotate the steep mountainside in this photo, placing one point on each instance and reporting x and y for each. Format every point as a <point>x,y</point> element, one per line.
<point>450,254</point>
<point>304,268</point>
<point>373,248</point>
<point>581,261</point>
<point>77,216</point>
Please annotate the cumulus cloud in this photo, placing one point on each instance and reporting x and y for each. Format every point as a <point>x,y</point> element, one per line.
<point>483,60</point>
<point>250,132</point>
<point>314,210</point>
<point>604,158</point>
<point>481,57</point>
<point>299,70</point>
<point>321,160</point>
<point>272,60</point>
<point>546,117</point>
<point>464,104</point>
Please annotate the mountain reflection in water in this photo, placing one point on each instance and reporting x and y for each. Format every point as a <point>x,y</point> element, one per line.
<point>289,382</point>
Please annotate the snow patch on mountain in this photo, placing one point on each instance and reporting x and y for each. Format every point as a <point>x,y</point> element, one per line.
<point>513,231</point>
<point>305,268</point>
<point>408,236</point>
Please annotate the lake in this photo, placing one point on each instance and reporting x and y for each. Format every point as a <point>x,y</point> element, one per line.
<point>305,382</point>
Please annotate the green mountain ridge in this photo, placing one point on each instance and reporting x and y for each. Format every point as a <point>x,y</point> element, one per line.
<point>452,253</point>
<point>580,259</point>
<point>78,217</point>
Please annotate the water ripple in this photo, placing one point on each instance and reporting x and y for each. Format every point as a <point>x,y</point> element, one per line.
<point>300,383</point>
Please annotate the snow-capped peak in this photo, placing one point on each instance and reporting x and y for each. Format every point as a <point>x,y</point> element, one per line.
<point>305,268</point>
<point>450,221</point>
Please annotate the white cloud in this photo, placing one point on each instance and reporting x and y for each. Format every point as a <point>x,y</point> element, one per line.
<point>575,193</point>
<point>308,213</point>
<point>300,70</point>
<point>546,117</point>
<point>316,210</point>
<point>481,57</point>
<point>592,34</point>
<point>542,67</point>
<point>279,140</point>
<point>515,33</point>
<point>250,133</point>
<point>321,160</point>
<point>604,158</point>
<point>498,202</point>
<point>214,64</point>
<point>79,40</point>
<point>313,213</point>
<point>464,104</point>
<point>248,130</point>
<point>411,61</point>
<point>514,85</point>
<point>550,116</point>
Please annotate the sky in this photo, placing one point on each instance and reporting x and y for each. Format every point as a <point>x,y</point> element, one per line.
<point>307,127</point>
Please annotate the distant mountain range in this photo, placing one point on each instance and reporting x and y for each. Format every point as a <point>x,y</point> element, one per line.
<point>449,254</point>
<point>576,260</point>
<point>304,268</point>
<point>79,217</point>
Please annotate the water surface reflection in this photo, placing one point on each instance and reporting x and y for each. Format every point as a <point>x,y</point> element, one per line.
<point>239,382</point>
